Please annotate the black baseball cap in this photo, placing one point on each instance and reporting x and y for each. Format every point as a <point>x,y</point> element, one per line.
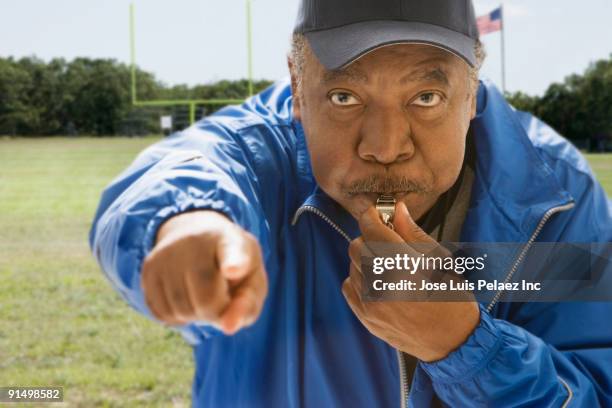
<point>341,31</point>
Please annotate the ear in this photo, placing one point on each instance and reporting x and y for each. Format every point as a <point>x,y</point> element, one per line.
<point>473,101</point>
<point>297,112</point>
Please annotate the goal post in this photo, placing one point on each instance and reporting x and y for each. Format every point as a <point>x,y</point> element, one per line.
<point>191,103</point>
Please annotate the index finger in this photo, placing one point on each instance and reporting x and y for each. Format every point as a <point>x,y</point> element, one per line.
<point>247,302</point>
<point>247,295</point>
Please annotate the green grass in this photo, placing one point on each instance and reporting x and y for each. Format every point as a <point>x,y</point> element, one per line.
<point>602,166</point>
<point>61,323</point>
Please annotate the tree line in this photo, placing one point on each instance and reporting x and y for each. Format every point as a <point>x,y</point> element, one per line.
<point>92,97</point>
<point>579,108</point>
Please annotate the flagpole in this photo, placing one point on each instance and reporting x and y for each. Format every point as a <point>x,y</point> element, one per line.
<point>503,48</point>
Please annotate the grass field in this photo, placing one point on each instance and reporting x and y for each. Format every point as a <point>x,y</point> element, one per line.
<point>60,321</point>
<point>602,166</point>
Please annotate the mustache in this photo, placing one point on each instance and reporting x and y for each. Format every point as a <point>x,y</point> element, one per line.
<point>384,185</point>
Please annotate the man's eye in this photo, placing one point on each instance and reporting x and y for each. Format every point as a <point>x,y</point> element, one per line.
<point>344,99</point>
<point>427,100</point>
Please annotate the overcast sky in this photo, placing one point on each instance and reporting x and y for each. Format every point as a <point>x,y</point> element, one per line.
<point>198,41</point>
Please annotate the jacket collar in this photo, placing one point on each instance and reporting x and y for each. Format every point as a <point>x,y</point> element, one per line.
<point>512,184</point>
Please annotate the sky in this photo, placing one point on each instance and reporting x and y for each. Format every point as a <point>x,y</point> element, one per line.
<point>200,41</point>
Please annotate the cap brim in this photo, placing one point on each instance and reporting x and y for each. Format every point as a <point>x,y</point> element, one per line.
<point>338,47</point>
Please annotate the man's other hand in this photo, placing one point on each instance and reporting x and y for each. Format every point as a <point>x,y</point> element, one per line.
<point>204,268</point>
<point>427,330</point>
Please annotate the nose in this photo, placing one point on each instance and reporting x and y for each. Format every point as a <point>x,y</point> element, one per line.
<point>385,136</point>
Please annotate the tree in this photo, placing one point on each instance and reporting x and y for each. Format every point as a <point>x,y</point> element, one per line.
<point>15,83</point>
<point>580,107</point>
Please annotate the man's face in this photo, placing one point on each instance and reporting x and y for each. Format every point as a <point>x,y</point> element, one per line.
<point>393,122</point>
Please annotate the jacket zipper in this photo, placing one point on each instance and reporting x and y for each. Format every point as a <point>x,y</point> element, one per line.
<point>528,245</point>
<point>518,261</point>
<point>404,391</point>
<point>315,210</point>
<point>400,357</point>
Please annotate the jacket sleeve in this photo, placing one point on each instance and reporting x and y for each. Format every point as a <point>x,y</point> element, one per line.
<point>542,354</point>
<point>206,166</point>
<point>505,365</point>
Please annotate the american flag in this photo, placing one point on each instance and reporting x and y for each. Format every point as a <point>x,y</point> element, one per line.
<point>489,23</point>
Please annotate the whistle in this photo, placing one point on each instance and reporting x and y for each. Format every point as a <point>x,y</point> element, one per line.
<point>385,205</point>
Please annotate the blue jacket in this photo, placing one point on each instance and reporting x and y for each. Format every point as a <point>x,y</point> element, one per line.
<point>307,348</point>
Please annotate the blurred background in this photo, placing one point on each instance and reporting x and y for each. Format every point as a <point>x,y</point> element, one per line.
<point>86,85</point>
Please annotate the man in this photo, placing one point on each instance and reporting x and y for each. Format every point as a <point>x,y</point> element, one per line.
<point>245,230</point>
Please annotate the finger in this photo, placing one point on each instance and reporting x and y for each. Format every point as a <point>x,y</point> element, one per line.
<point>358,250</point>
<point>243,310</point>
<point>255,276</point>
<point>356,278</point>
<point>247,298</point>
<point>177,296</point>
<point>152,293</point>
<point>208,292</point>
<point>233,254</point>
<point>373,229</point>
<point>248,295</point>
<point>235,317</point>
<point>407,228</point>
<point>353,299</point>
<point>155,296</point>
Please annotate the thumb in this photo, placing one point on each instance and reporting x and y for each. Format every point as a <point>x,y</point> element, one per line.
<point>233,255</point>
<point>407,228</point>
